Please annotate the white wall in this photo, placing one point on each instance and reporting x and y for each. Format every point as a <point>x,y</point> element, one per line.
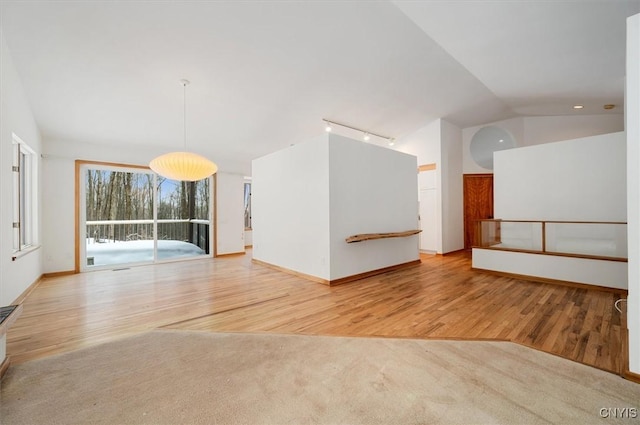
<point>632,114</point>
<point>59,194</point>
<point>452,192</point>
<point>440,142</point>
<point>575,180</point>
<point>290,208</point>
<point>529,131</point>
<point>372,190</point>
<point>16,118</point>
<point>612,274</point>
<point>248,233</point>
<point>423,143</point>
<point>426,145</point>
<point>430,215</point>
<point>230,213</point>
<point>311,196</point>
<point>58,237</point>
<point>58,223</point>
<point>539,130</point>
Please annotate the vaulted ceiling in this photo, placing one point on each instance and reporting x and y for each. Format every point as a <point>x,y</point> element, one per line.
<point>264,74</point>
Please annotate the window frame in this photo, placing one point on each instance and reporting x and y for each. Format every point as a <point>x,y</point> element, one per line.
<point>25,197</point>
<point>81,167</point>
<point>247,206</point>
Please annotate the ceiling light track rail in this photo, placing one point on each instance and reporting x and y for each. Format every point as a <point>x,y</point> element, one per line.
<point>366,133</point>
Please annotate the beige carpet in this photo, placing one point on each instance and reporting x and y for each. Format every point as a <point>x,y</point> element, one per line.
<point>174,377</point>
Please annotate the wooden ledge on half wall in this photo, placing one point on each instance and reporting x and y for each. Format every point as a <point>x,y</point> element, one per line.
<point>370,236</point>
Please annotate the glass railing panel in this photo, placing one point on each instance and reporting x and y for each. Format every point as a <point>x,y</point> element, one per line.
<point>520,235</point>
<point>488,233</point>
<point>176,237</point>
<point>597,239</point>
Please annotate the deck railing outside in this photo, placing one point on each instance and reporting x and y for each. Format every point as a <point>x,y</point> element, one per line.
<point>585,239</point>
<point>186,230</point>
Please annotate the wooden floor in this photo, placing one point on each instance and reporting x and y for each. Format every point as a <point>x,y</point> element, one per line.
<point>441,298</point>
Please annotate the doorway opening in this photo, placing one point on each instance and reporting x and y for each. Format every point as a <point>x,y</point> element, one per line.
<point>428,216</point>
<point>478,204</point>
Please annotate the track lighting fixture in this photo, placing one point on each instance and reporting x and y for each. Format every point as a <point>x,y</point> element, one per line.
<point>366,135</point>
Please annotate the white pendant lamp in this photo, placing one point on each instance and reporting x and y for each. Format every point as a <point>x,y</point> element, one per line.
<point>186,166</point>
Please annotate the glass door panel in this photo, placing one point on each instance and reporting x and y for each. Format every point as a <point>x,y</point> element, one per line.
<point>133,216</point>
<point>183,218</point>
<point>118,217</point>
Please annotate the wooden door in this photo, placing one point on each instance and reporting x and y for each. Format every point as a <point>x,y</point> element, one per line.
<point>478,203</point>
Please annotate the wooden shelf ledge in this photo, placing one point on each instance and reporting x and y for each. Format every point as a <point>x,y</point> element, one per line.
<point>369,236</point>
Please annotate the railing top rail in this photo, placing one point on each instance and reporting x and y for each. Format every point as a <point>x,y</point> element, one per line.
<point>107,222</point>
<point>550,221</point>
<point>585,222</point>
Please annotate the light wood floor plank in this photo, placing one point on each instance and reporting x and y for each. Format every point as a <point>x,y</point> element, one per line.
<point>441,298</point>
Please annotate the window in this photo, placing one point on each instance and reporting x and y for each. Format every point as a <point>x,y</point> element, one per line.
<point>24,195</point>
<point>247,206</point>
<point>129,215</point>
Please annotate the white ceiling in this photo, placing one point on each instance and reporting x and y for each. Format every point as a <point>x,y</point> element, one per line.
<point>264,74</point>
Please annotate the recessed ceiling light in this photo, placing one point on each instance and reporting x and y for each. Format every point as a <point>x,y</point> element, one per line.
<point>578,106</point>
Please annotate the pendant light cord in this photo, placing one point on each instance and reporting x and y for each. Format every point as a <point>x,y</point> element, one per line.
<point>183,166</point>
<point>184,87</point>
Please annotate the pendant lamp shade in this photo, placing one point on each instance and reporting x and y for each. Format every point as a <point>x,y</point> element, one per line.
<point>184,166</point>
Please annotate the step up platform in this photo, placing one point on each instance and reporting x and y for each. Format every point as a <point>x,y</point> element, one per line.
<point>8,315</point>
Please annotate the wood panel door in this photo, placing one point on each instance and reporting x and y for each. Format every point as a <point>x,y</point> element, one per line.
<point>478,203</point>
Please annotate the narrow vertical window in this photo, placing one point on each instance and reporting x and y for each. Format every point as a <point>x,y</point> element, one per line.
<point>247,206</point>
<point>24,195</point>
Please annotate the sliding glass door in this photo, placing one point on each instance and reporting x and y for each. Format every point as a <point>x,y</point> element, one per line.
<point>132,216</point>
<point>183,218</point>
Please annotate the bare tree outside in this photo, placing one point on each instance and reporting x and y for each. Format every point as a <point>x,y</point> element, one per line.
<point>127,199</point>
